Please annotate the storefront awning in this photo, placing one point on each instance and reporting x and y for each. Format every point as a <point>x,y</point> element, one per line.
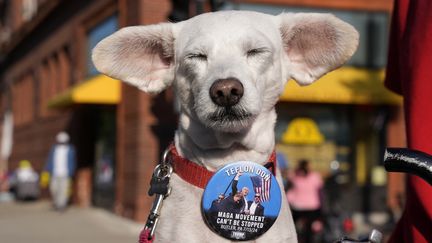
<point>346,85</point>
<point>99,89</point>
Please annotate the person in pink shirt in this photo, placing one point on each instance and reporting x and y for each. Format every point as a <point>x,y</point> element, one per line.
<point>304,196</point>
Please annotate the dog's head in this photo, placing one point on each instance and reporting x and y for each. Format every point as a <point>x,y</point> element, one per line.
<point>227,67</point>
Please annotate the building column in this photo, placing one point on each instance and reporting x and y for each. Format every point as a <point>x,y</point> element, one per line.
<point>144,124</point>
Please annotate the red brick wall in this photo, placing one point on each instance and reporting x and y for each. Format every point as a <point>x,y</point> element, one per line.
<point>23,97</point>
<point>35,126</point>
<point>33,140</point>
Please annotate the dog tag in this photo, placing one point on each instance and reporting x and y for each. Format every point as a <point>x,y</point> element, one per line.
<point>241,201</point>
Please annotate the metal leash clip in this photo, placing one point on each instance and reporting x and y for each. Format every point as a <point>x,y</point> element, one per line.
<point>159,186</point>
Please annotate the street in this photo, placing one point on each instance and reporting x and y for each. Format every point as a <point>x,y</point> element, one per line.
<point>37,222</point>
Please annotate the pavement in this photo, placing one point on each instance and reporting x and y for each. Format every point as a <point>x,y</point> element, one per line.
<point>37,222</point>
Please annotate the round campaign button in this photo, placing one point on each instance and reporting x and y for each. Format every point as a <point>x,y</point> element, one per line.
<point>241,201</point>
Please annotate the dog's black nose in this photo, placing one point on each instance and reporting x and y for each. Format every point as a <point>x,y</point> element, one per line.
<point>226,92</point>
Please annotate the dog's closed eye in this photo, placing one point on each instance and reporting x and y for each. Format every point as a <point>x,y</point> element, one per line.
<point>197,56</point>
<point>256,51</point>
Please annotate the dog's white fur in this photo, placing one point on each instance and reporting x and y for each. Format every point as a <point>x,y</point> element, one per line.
<point>260,50</point>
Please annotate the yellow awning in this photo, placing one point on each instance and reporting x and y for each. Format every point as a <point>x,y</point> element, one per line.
<point>346,85</point>
<point>99,89</point>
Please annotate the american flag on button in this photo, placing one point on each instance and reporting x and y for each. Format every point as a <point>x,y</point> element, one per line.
<point>262,187</point>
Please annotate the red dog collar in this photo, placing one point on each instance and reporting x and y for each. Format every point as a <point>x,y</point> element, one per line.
<point>198,175</point>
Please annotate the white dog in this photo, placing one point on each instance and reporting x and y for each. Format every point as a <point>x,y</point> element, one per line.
<point>228,70</point>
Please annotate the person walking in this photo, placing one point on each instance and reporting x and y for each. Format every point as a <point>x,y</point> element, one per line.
<point>304,197</point>
<point>61,166</point>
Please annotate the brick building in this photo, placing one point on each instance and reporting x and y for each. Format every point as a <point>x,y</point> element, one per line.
<point>48,82</point>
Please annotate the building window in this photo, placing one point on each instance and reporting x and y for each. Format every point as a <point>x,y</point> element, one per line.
<point>23,98</point>
<point>96,34</point>
<point>372,26</point>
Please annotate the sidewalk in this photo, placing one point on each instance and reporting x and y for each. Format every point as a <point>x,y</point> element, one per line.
<point>36,222</point>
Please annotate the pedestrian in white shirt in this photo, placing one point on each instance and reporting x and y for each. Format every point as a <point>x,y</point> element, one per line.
<point>61,166</point>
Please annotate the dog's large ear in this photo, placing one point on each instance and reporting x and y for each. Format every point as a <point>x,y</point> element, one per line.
<point>315,44</point>
<point>140,55</point>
